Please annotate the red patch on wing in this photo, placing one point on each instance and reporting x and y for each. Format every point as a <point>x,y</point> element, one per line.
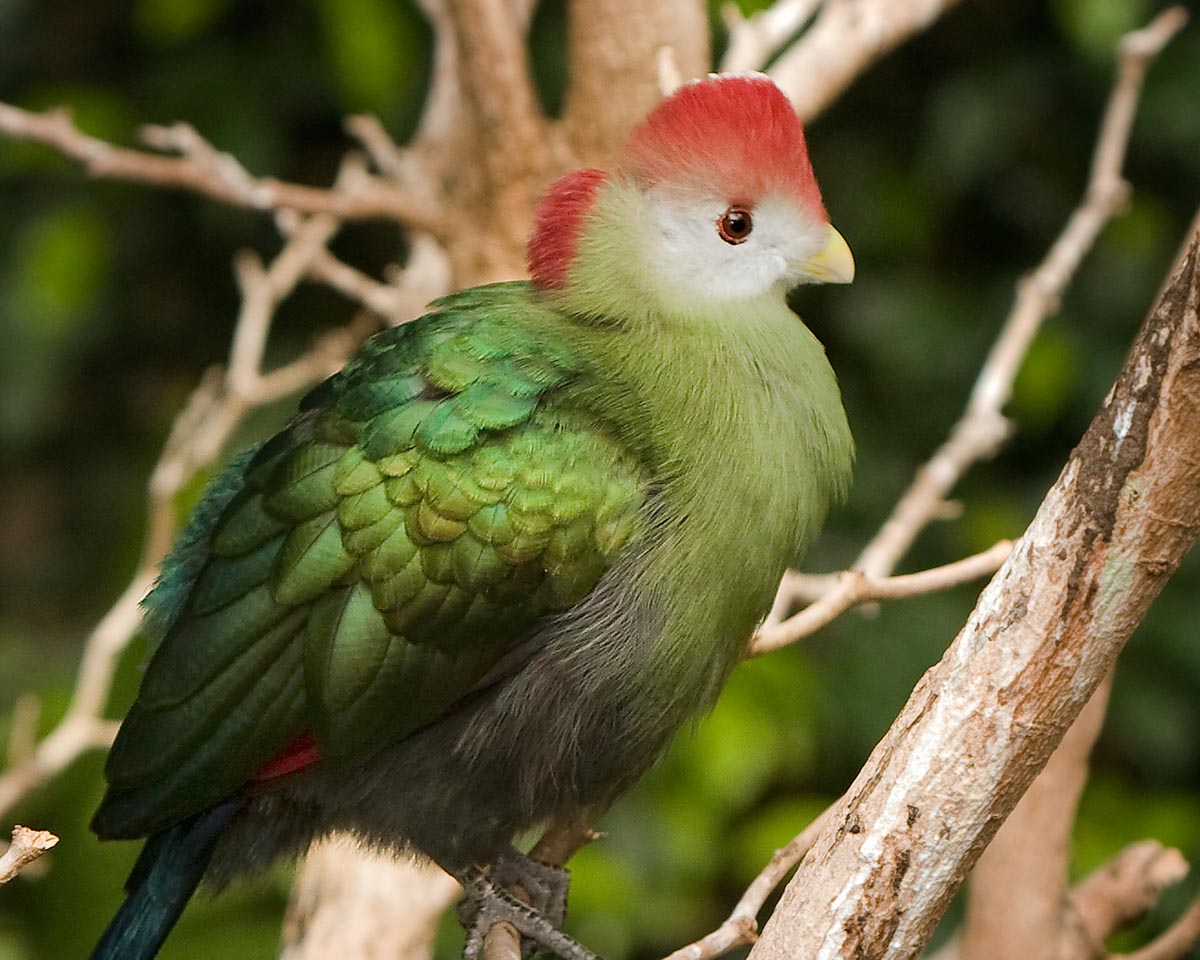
<point>737,136</point>
<point>297,755</point>
<point>558,225</point>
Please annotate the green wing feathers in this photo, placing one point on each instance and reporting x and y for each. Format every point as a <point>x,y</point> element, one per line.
<point>379,557</point>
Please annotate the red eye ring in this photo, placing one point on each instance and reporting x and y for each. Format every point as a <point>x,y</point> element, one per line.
<point>735,224</point>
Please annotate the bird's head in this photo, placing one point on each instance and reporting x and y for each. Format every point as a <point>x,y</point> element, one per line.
<point>714,201</point>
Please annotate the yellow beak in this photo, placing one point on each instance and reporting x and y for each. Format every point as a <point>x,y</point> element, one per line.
<point>833,263</point>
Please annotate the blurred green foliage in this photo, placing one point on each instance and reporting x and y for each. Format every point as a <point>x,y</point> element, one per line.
<point>950,167</point>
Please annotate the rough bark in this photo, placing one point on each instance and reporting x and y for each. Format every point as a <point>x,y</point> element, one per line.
<point>1048,628</point>
<point>1018,888</point>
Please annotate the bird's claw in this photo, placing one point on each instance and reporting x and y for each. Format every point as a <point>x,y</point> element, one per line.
<point>487,903</point>
<point>544,886</point>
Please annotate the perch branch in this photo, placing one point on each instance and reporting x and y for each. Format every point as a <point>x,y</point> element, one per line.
<point>1018,887</point>
<point>557,845</point>
<point>27,846</point>
<point>1044,633</point>
<point>201,168</point>
<point>350,903</point>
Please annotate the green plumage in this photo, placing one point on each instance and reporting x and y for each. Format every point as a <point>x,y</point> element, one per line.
<point>495,563</point>
<point>429,505</point>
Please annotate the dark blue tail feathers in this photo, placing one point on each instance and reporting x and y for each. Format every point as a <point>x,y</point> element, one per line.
<point>161,883</point>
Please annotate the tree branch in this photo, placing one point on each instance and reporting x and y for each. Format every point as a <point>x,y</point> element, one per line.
<point>27,846</point>
<point>493,72</point>
<point>1018,888</point>
<point>509,136</point>
<point>201,168</point>
<point>1117,894</point>
<point>1047,629</point>
<point>854,588</point>
<point>844,40</point>
<point>1180,938</point>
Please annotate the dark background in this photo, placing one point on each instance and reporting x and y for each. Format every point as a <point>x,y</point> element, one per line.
<point>949,167</point>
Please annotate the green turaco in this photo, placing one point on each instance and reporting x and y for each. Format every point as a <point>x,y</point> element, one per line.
<point>489,568</point>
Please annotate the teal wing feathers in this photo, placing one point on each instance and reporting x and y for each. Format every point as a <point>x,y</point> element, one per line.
<point>379,557</point>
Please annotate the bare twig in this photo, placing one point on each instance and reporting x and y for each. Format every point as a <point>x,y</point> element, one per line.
<point>27,846</point>
<point>202,169</point>
<point>741,926</point>
<point>1176,943</point>
<point>845,39</point>
<point>755,39</point>
<point>854,588</point>
<point>384,152</point>
<point>982,427</point>
<point>1117,894</point>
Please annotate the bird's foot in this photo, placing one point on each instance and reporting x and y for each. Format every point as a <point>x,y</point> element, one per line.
<point>488,903</point>
<point>543,886</point>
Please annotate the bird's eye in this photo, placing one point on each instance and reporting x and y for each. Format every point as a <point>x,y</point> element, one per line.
<point>735,224</point>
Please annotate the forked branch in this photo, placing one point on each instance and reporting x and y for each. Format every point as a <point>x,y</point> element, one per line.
<point>192,163</point>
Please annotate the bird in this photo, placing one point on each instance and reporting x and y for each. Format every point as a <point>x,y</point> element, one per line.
<point>490,567</point>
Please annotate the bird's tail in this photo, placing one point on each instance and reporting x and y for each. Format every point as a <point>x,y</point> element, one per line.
<point>162,881</point>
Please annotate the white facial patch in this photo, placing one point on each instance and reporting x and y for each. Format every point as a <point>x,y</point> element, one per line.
<point>688,257</point>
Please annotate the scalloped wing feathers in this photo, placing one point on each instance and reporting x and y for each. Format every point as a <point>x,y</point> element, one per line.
<point>371,564</point>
